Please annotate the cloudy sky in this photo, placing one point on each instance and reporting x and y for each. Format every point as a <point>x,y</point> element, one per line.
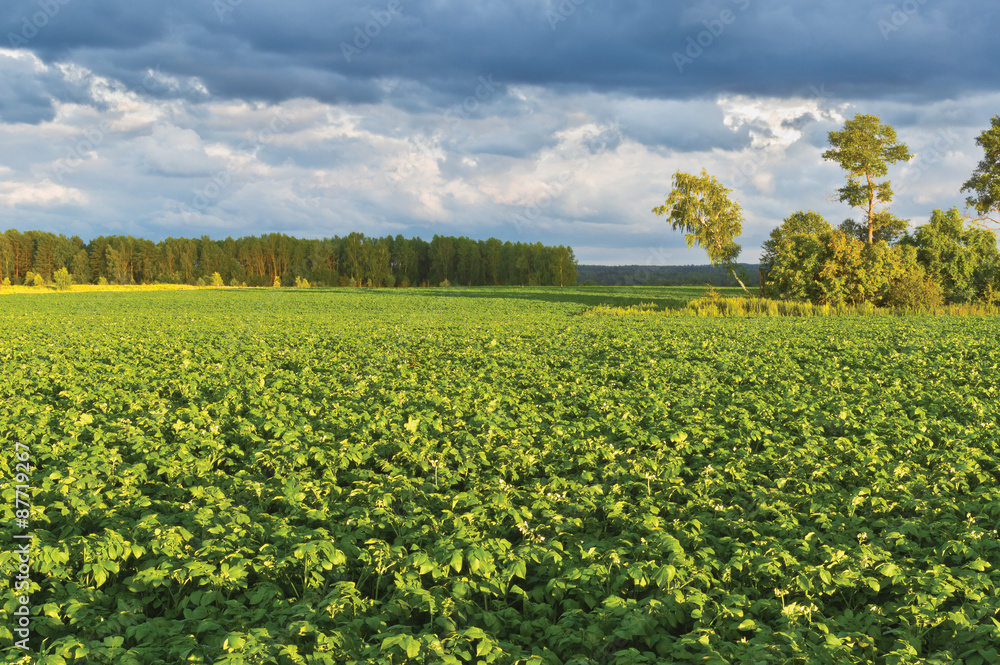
<point>558,121</point>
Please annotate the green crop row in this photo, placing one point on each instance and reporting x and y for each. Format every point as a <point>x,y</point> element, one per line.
<point>484,475</point>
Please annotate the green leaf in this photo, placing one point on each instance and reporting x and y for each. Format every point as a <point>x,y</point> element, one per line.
<point>412,646</point>
<point>520,569</point>
<point>50,660</point>
<point>233,642</point>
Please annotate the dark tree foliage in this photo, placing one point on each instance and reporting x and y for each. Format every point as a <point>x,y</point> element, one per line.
<point>887,227</point>
<point>354,260</point>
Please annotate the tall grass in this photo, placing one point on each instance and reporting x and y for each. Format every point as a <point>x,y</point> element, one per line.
<point>710,307</point>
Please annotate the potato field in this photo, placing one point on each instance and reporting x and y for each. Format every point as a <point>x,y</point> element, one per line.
<point>477,475</point>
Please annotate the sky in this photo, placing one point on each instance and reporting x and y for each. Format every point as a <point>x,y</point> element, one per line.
<point>553,121</point>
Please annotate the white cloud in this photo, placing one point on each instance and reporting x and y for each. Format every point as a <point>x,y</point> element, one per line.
<point>171,151</point>
<point>581,169</point>
<point>42,194</point>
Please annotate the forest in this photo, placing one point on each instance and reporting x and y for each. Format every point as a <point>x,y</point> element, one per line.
<point>276,259</point>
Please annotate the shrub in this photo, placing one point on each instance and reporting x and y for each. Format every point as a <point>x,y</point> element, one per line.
<point>403,283</point>
<point>990,296</point>
<point>217,279</point>
<point>63,279</point>
<point>301,283</point>
<point>445,283</point>
<point>277,282</point>
<point>102,281</point>
<point>914,291</point>
<point>39,281</point>
<point>6,281</point>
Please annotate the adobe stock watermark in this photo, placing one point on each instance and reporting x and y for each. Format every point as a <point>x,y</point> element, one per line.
<point>714,28</point>
<point>205,196</point>
<point>747,169</point>
<point>22,514</point>
<point>944,141</point>
<point>93,137</point>
<point>363,35</point>
<point>820,94</point>
<point>424,148</point>
<point>658,256</point>
<point>532,212</point>
<point>225,7</point>
<point>742,174</point>
<point>898,17</point>
<point>485,90</point>
<point>562,12</point>
<point>32,25</point>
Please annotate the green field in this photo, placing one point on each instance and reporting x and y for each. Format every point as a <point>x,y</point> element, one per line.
<point>487,475</point>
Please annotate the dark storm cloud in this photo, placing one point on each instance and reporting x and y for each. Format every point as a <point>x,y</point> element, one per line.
<point>449,116</point>
<point>23,98</point>
<point>800,122</point>
<point>27,94</point>
<point>274,51</point>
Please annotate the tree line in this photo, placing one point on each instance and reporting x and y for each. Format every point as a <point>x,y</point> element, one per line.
<point>639,275</point>
<point>874,259</point>
<point>279,259</point>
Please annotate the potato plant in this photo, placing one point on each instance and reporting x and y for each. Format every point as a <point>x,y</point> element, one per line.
<point>486,475</point>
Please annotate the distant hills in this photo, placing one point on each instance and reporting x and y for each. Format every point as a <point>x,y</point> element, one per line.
<point>663,275</point>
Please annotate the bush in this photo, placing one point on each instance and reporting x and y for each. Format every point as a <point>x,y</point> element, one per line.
<point>990,296</point>
<point>217,279</point>
<point>235,282</point>
<point>39,281</point>
<point>200,282</point>
<point>102,281</point>
<point>63,279</point>
<point>403,283</point>
<point>914,291</point>
<point>445,283</point>
<point>6,281</point>
<point>277,282</point>
<point>301,283</point>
